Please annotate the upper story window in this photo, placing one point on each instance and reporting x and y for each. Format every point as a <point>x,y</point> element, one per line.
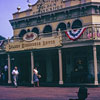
<point>77,24</point>
<point>35,30</point>
<point>61,26</point>
<point>21,34</point>
<point>47,29</point>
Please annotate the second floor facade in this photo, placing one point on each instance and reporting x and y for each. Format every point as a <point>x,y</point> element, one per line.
<point>76,16</point>
<point>52,27</point>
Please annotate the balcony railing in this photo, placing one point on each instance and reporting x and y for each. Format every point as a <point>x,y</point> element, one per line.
<point>91,33</point>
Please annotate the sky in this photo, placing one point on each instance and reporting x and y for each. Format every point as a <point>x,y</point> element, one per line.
<point>7,8</point>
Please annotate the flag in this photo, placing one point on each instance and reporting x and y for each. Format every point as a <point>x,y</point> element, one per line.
<point>75,33</point>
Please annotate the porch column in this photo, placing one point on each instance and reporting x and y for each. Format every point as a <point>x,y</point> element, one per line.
<point>32,66</point>
<point>95,66</point>
<point>9,69</point>
<point>60,67</point>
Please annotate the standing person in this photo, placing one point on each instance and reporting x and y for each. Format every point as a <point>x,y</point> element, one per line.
<point>15,76</point>
<point>5,74</point>
<point>35,77</point>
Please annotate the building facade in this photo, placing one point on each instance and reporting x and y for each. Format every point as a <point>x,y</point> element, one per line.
<point>60,37</point>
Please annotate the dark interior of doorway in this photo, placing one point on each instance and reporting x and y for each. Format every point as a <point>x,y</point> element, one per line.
<point>80,70</point>
<point>55,65</point>
<point>3,71</point>
<point>40,63</point>
<point>23,62</point>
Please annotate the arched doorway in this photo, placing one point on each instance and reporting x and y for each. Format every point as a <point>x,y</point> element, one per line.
<point>80,71</point>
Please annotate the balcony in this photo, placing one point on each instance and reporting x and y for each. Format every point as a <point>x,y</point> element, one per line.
<point>91,33</point>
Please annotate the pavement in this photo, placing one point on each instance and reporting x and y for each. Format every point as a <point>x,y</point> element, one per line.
<point>45,93</point>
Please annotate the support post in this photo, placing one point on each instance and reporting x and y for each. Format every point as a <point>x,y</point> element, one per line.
<point>95,66</point>
<point>9,70</point>
<point>32,66</point>
<point>60,67</point>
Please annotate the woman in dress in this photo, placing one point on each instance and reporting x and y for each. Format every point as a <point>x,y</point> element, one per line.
<point>35,77</point>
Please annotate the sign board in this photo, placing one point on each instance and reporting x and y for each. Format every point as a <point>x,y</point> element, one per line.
<point>36,44</point>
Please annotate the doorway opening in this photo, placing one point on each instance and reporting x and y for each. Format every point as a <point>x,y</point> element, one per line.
<point>23,62</point>
<point>80,70</point>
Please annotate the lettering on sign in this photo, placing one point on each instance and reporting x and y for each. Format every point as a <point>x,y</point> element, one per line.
<point>36,44</point>
<point>48,5</point>
<point>14,46</point>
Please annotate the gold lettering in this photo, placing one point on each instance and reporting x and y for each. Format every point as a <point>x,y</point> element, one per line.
<point>42,43</point>
<point>48,6</point>
<point>14,46</point>
<point>31,44</point>
<point>48,42</point>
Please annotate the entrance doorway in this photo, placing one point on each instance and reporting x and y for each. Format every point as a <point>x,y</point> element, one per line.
<point>80,70</point>
<point>40,63</point>
<point>55,65</point>
<point>47,63</point>
<point>3,69</point>
<point>23,62</point>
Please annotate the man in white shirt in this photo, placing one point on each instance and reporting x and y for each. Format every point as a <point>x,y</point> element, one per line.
<point>15,76</point>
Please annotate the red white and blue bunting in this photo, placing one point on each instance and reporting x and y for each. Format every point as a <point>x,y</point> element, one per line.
<point>75,33</point>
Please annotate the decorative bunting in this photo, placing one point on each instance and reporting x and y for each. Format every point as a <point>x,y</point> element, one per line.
<point>75,33</point>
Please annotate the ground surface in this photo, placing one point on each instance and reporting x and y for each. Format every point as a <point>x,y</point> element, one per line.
<point>45,93</point>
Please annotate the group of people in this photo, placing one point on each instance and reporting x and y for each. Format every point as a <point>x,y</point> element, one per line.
<point>82,93</point>
<point>36,76</point>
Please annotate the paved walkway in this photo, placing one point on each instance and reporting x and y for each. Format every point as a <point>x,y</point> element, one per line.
<point>44,93</point>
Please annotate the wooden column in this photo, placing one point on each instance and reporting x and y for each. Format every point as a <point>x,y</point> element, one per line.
<point>9,69</point>
<point>60,67</point>
<point>32,66</point>
<point>95,66</point>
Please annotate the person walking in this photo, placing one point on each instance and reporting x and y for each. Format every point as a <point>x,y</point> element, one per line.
<point>15,74</point>
<point>35,76</point>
